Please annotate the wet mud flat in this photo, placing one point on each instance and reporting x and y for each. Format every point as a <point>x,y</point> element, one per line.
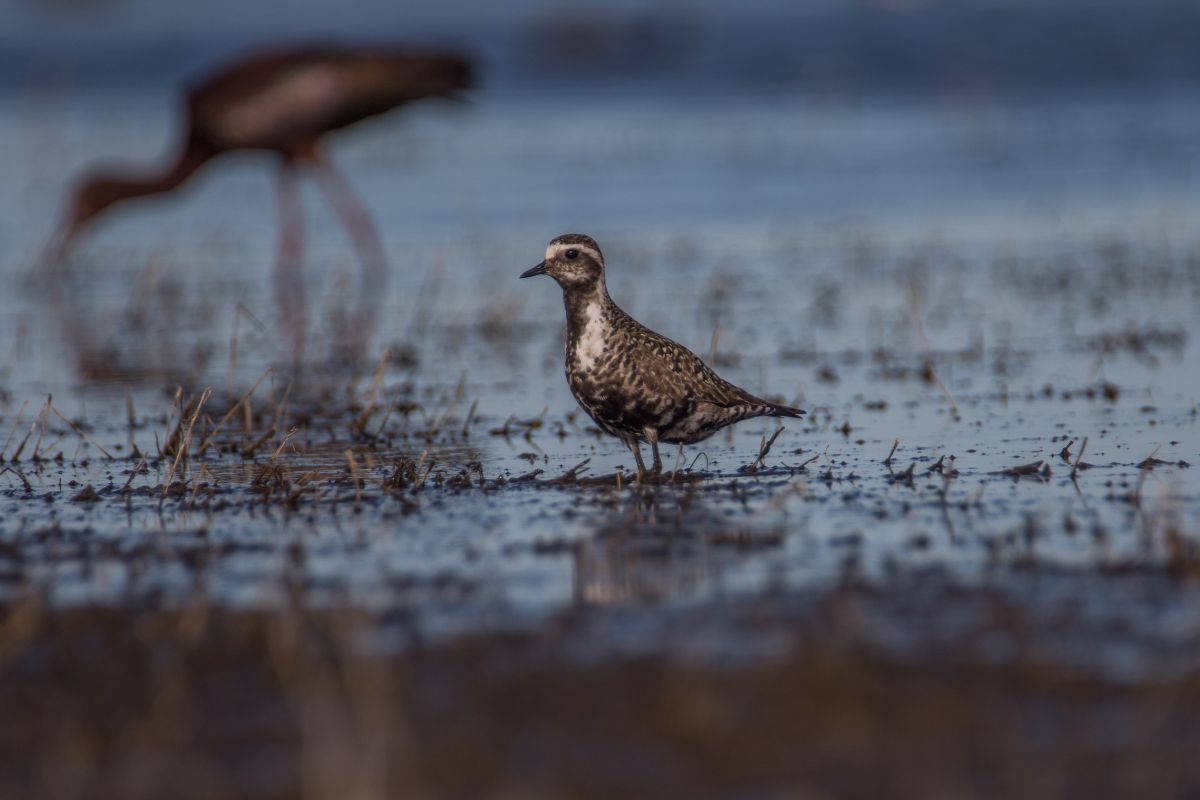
<point>973,569</point>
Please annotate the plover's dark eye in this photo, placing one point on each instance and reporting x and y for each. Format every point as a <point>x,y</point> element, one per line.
<point>572,254</point>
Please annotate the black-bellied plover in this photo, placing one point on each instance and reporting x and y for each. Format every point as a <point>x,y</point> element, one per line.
<point>636,384</point>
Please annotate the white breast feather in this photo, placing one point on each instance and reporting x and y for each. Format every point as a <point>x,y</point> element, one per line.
<point>591,342</point>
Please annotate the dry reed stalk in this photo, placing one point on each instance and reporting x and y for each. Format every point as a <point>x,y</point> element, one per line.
<point>470,418</point>
<point>82,435</point>
<point>196,485</point>
<point>45,418</point>
<point>13,430</point>
<point>244,399</point>
<point>764,448</point>
<point>168,449</point>
<point>250,450</point>
<point>140,465</point>
<point>131,420</point>
<point>1079,458</point>
<point>185,439</point>
<point>281,410</point>
<point>376,381</point>
<point>16,456</point>
<point>19,474</point>
<point>247,419</point>
<point>887,462</point>
<point>282,444</point>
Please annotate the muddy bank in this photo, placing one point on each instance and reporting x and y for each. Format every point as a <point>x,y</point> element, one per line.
<point>920,688</point>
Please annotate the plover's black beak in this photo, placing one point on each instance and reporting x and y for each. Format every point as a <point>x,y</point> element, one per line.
<point>540,269</point>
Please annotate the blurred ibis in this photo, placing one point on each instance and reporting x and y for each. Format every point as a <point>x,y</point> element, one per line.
<point>283,103</point>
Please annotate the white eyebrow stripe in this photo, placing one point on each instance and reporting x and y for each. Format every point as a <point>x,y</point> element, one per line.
<point>554,249</point>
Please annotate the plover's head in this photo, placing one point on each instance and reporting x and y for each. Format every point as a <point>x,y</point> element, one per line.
<point>574,260</point>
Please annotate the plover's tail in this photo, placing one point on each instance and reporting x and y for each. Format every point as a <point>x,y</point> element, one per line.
<point>757,407</point>
<point>738,404</point>
<point>778,410</point>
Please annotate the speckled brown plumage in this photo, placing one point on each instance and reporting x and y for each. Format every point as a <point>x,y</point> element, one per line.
<point>636,384</point>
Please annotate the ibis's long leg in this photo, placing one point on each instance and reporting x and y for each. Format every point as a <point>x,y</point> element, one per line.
<point>365,238</point>
<point>289,277</point>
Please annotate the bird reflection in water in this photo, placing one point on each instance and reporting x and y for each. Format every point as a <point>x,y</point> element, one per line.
<point>647,556</point>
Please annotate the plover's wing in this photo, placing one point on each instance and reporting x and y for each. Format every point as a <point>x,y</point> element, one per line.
<point>670,370</point>
<point>674,375</point>
<point>699,383</point>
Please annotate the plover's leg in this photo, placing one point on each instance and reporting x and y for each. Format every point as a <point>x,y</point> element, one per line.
<point>652,438</point>
<point>633,445</point>
<point>367,244</point>
<point>289,281</point>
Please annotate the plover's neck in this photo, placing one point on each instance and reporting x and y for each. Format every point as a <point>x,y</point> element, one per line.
<point>589,318</point>
<point>584,306</point>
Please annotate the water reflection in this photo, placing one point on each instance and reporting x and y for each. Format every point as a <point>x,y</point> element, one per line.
<point>620,569</point>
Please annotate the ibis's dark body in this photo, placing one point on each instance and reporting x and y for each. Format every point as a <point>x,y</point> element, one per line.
<point>287,99</point>
<point>283,102</point>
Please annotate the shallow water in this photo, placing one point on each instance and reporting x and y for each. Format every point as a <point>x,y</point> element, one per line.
<point>1025,324</point>
<point>986,284</point>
